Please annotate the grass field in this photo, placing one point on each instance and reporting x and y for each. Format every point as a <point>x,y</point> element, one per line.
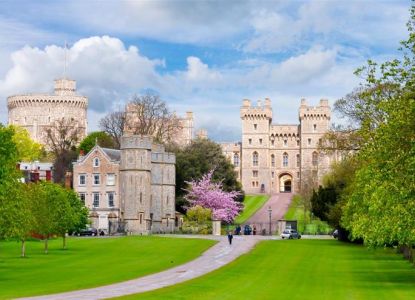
<point>305,224</point>
<point>251,204</point>
<point>302,269</point>
<point>89,262</point>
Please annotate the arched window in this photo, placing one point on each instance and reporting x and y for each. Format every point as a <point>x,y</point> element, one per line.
<point>255,159</point>
<point>96,162</point>
<point>315,158</point>
<point>285,159</point>
<point>236,160</point>
<point>272,160</point>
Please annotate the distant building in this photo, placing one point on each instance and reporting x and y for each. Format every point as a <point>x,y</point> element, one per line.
<point>35,171</point>
<point>134,186</point>
<point>35,112</point>
<point>279,158</point>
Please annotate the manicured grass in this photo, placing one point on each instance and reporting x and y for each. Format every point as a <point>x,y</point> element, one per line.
<point>251,205</point>
<point>305,225</point>
<point>89,262</point>
<point>302,269</point>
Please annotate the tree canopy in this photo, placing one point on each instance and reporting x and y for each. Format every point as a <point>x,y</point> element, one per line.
<point>98,137</point>
<point>27,149</point>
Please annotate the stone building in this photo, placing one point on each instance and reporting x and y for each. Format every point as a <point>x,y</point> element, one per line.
<point>35,112</point>
<point>279,158</point>
<point>134,186</point>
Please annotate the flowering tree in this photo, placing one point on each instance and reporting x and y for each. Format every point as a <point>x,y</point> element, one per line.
<point>209,194</point>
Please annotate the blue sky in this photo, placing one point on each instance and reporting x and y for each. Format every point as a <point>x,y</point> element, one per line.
<point>203,56</point>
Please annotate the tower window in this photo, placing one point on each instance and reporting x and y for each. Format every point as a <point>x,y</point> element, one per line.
<point>255,173</point>
<point>298,142</point>
<point>236,160</point>
<point>255,159</point>
<point>250,141</point>
<point>285,143</point>
<point>315,158</point>
<point>272,160</point>
<point>309,142</point>
<point>285,159</point>
<point>260,141</point>
<point>255,126</point>
<point>314,127</point>
<point>298,160</point>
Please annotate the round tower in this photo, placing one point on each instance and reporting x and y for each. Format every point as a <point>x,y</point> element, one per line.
<point>35,112</point>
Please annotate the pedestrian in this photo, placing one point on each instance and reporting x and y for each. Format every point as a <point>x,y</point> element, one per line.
<point>230,237</point>
<point>254,231</point>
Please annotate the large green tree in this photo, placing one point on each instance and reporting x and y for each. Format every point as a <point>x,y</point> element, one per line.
<point>380,202</point>
<point>27,149</point>
<point>100,138</point>
<point>197,159</point>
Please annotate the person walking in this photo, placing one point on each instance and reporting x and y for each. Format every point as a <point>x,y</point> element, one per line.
<point>230,237</point>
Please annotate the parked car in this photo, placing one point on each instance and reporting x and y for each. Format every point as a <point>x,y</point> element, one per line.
<point>247,230</point>
<point>290,234</point>
<point>88,231</point>
<point>335,234</point>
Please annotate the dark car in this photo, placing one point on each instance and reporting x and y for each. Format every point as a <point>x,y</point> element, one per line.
<point>247,230</point>
<point>88,231</point>
<point>335,234</point>
<point>290,234</point>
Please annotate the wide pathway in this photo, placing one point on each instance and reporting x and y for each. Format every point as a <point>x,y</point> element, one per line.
<point>217,256</point>
<point>279,204</point>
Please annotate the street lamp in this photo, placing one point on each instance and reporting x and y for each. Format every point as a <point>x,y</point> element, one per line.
<point>269,213</point>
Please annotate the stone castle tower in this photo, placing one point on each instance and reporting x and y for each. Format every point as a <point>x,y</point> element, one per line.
<point>147,186</point>
<point>283,157</point>
<point>35,112</point>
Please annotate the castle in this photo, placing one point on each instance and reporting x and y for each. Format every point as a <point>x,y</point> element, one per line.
<point>134,186</point>
<point>36,112</point>
<point>279,158</point>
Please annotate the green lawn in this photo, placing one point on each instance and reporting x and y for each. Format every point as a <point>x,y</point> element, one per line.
<point>251,204</point>
<point>305,224</point>
<point>89,262</point>
<point>302,269</point>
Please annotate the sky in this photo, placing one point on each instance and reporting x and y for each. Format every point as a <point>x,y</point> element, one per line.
<point>200,56</point>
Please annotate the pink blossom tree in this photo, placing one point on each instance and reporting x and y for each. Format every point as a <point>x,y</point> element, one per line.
<point>209,194</point>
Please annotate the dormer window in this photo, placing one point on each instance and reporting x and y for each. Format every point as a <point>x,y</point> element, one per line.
<point>96,162</point>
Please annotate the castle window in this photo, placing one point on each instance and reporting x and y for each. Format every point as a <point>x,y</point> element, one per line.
<point>298,174</point>
<point>315,127</point>
<point>111,179</point>
<point>272,174</point>
<point>255,126</point>
<point>298,142</point>
<point>236,160</point>
<point>298,160</point>
<point>254,173</point>
<point>250,141</point>
<point>309,142</point>
<point>96,162</point>
<point>110,197</point>
<point>82,197</point>
<point>253,183</point>
<point>272,160</point>
<point>315,159</point>
<point>285,143</point>
<point>285,159</point>
<point>255,159</point>
<point>141,197</point>
<point>82,179</point>
<point>95,199</point>
<point>141,218</point>
<point>272,142</point>
<point>260,141</point>
<point>97,178</point>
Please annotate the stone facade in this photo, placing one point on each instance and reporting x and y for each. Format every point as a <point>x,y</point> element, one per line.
<point>35,112</point>
<point>279,158</point>
<point>142,182</point>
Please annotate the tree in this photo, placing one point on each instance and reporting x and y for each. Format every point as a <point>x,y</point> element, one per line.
<point>27,149</point>
<point>208,194</point>
<point>63,135</point>
<point>113,124</point>
<point>379,203</point>
<point>198,158</point>
<point>149,115</point>
<point>100,138</point>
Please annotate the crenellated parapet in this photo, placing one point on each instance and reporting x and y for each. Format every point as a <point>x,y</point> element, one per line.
<point>31,100</point>
<point>261,111</point>
<point>319,112</point>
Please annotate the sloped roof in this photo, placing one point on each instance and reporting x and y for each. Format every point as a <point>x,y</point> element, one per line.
<point>113,154</point>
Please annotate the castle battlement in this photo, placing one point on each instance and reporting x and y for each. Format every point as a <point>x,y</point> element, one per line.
<point>260,111</point>
<point>314,112</point>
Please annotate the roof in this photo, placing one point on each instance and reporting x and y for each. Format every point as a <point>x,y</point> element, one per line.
<point>113,154</point>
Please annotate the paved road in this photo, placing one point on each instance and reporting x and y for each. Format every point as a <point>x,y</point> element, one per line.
<point>215,257</point>
<point>279,204</point>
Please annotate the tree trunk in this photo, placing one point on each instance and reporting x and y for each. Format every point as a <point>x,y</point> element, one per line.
<point>23,248</point>
<point>64,241</point>
<point>46,245</point>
